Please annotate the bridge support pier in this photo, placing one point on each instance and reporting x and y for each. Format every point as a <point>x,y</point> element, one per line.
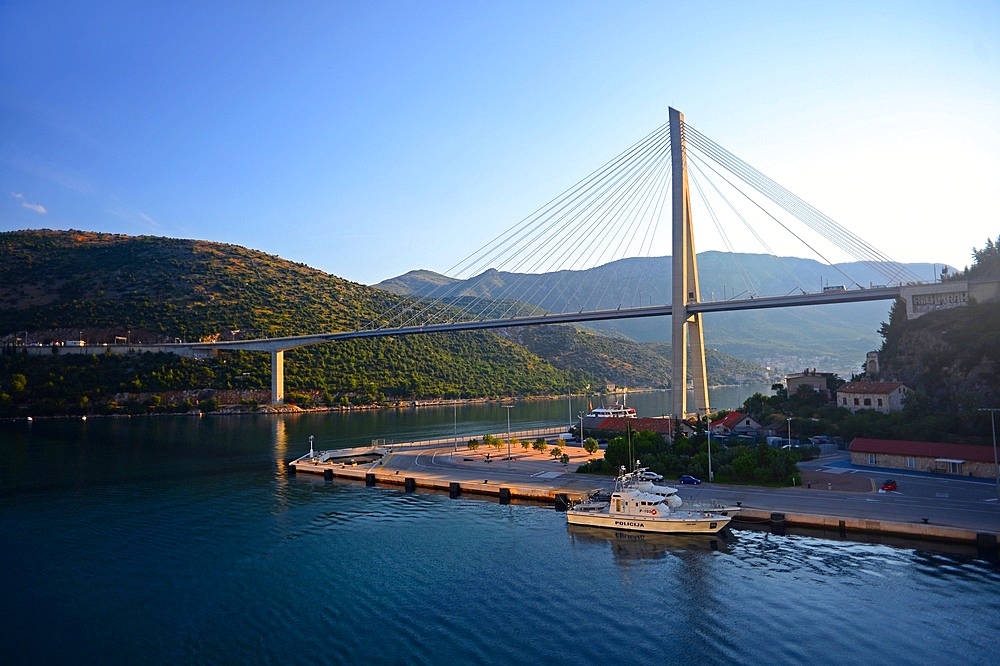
<point>684,284</point>
<point>277,376</point>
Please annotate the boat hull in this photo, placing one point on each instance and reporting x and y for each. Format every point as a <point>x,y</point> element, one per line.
<point>675,524</point>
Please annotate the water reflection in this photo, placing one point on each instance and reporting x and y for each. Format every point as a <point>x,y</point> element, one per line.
<point>632,546</point>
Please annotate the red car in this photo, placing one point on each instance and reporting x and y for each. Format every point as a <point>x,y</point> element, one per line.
<point>888,485</point>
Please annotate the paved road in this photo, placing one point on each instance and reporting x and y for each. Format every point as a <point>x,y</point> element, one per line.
<point>950,501</point>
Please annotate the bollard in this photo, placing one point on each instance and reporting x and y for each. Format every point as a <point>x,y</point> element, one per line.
<point>505,495</point>
<point>562,501</point>
<point>328,474</point>
<point>454,490</point>
<point>986,544</point>
<point>369,479</point>
<point>778,524</point>
<point>409,484</point>
<point>842,527</point>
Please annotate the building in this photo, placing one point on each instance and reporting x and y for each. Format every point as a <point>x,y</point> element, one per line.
<point>937,457</point>
<point>881,397</point>
<point>811,381</point>
<point>871,364</point>
<point>735,423</point>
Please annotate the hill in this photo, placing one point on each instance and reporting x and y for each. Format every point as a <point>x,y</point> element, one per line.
<point>105,288</point>
<point>952,357</point>
<point>833,337</point>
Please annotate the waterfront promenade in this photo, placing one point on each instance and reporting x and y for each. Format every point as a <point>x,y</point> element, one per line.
<point>836,496</point>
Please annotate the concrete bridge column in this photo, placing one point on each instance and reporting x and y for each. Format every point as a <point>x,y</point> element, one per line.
<point>685,326</point>
<point>277,376</point>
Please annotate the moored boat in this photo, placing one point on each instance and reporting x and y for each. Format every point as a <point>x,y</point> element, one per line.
<point>632,508</point>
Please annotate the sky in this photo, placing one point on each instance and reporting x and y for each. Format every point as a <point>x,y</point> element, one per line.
<point>368,139</point>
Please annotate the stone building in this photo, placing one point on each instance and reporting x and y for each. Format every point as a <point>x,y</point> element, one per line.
<point>936,457</point>
<point>881,397</point>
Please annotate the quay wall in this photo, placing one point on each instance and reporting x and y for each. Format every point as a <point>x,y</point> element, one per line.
<point>551,494</point>
<point>923,531</point>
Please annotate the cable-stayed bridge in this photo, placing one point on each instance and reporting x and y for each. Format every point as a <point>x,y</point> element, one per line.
<point>638,204</point>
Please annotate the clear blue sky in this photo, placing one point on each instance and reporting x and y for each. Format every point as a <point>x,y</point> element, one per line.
<point>367,139</point>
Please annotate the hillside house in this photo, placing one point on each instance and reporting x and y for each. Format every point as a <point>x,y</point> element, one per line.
<point>734,424</point>
<point>937,457</point>
<point>881,397</point>
<point>809,380</point>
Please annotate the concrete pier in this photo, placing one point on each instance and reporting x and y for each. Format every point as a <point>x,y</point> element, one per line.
<point>538,477</point>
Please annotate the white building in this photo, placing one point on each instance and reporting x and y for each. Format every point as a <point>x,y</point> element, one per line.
<point>881,397</point>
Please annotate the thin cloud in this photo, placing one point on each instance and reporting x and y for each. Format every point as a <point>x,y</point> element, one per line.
<point>38,208</point>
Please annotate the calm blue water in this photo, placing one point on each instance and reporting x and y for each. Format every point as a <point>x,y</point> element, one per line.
<point>183,540</point>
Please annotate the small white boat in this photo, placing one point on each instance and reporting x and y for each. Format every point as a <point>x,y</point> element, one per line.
<point>612,412</point>
<point>632,508</point>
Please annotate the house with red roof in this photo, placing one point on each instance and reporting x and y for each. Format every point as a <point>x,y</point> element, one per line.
<point>881,397</point>
<point>735,423</point>
<point>938,457</point>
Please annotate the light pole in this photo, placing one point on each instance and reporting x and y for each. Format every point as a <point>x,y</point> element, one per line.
<point>509,407</point>
<point>455,405</point>
<point>581,428</point>
<point>569,405</point>
<point>708,432</point>
<point>789,419</point>
<point>996,462</point>
<point>708,422</point>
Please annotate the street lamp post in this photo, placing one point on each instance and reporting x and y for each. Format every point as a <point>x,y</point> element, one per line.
<point>708,422</point>
<point>509,407</point>
<point>789,419</point>
<point>993,423</point>
<point>581,428</point>
<point>708,432</point>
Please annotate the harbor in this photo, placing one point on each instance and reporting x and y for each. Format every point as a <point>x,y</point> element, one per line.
<point>445,465</point>
<point>201,523</point>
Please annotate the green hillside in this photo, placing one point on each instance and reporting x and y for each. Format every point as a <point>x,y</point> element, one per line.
<point>107,288</point>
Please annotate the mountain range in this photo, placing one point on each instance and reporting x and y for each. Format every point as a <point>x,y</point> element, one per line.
<point>834,338</point>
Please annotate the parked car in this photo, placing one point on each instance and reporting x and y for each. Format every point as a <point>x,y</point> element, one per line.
<point>888,485</point>
<point>687,478</point>
<point>651,476</point>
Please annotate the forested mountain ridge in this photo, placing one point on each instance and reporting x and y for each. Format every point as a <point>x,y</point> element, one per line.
<point>61,285</point>
<point>832,337</point>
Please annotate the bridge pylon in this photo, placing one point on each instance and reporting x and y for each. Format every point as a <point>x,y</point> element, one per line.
<point>686,329</point>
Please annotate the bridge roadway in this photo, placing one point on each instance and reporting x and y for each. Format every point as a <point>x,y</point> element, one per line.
<point>793,300</point>
<point>278,346</point>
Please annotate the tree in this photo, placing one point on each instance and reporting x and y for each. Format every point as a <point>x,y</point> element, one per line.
<point>473,444</point>
<point>18,382</point>
<point>540,445</point>
<point>556,452</point>
<point>591,446</point>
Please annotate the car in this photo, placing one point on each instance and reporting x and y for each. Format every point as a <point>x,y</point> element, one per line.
<point>888,485</point>
<point>687,478</point>
<point>651,476</point>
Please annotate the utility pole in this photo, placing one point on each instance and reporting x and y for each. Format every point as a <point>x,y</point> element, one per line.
<point>996,462</point>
